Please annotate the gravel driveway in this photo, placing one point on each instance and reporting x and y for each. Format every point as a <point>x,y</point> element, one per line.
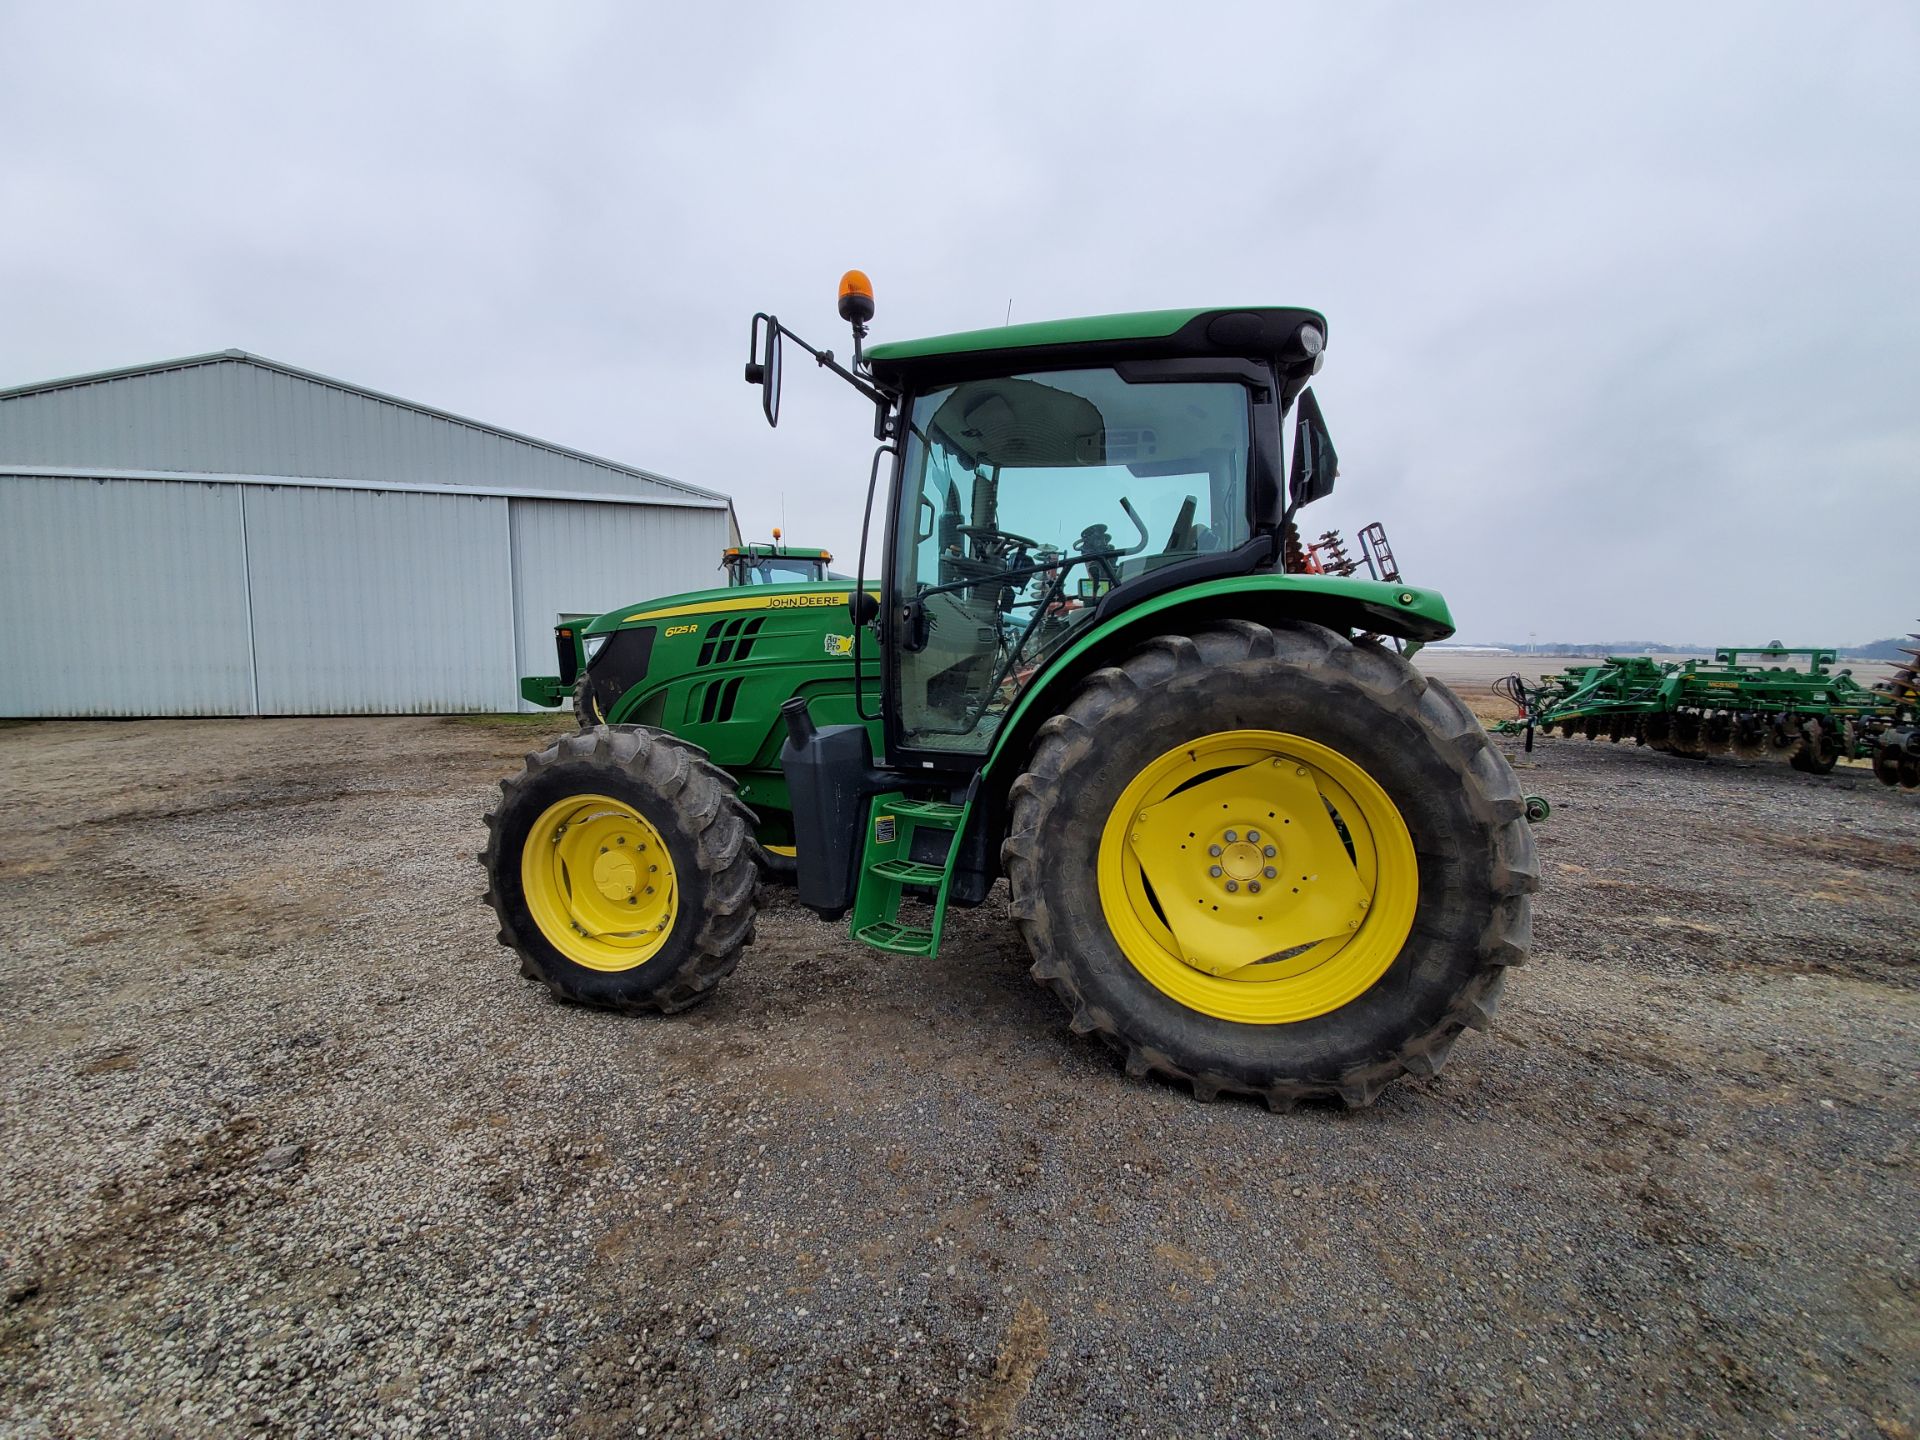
<point>288,1144</point>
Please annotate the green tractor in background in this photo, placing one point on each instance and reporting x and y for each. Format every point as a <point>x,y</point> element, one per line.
<point>579,637</point>
<point>776,564</point>
<point>1248,845</point>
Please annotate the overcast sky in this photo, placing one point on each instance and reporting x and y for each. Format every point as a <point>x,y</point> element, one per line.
<point>1624,303</point>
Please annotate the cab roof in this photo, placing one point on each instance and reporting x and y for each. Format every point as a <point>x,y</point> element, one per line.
<point>1254,330</point>
<point>760,550</point>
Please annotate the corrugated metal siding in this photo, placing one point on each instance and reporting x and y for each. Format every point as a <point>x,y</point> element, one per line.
<point>576,557</point>
<point>234,416</point>
<point>122,597</point>
<point>382,603</point>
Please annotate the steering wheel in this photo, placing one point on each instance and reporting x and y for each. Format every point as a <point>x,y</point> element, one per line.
<point>1005,539</point>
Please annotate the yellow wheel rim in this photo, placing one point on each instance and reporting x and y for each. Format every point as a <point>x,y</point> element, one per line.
<point>1258,877</point>
<point>599,882</point>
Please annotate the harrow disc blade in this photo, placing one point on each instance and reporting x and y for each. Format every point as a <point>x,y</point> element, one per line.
<point>1785,739</point>
<point>1689,735</point>
<point>1659,732</point>
<point>1591,727</point>
<point>1750,741</point>
<point>1719,732</point>
<point>1886,765</point>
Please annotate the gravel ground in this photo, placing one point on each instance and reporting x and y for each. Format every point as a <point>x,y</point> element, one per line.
<point>288,1145</point>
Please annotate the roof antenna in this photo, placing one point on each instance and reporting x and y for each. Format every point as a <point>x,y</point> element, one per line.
<point>1009,319</point>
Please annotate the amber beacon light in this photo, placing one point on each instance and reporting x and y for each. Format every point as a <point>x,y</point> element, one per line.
<point>856,297</point>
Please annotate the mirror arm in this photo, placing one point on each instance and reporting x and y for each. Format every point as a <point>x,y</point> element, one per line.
<point>824,358</point>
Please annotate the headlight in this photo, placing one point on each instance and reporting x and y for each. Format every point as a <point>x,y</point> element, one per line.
<point>1312,341</point>
<point>592,644</point>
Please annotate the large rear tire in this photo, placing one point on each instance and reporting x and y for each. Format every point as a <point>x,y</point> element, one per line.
<point>622,866</point>
<point>1271,861</point>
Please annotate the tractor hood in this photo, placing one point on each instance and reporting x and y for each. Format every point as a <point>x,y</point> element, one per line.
<point>726,598</point>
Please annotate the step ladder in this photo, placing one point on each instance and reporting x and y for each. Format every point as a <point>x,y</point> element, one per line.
<point>888,871</point>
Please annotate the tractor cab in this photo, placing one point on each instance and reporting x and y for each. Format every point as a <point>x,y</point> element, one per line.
<point>775,564</point>
<point>1049,477</point>
<point>1027,502</point>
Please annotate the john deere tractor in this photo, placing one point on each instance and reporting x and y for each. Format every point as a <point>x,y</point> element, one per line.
<point>775,564</point>
<point>617,688</point>
<point>1247,844</point>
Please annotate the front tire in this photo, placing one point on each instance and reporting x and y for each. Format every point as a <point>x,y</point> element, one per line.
<point>621,865</point>
<point>1380,926</point>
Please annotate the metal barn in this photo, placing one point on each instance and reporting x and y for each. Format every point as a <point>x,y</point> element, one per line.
<point>227,535</point>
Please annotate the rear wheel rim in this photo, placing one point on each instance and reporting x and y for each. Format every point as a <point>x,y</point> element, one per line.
<point>1300,912</point>
<point>599,882</point>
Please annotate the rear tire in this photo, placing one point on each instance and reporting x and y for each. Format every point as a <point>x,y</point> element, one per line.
<point>1361,709</point>
<point>563,914</point>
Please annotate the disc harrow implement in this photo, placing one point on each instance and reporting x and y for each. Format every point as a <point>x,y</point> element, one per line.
<point>1742,702</point>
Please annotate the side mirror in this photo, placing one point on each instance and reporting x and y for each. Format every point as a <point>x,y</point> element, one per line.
<point>1316,465</point>
<point>763,364</point>
<point>862,606</point>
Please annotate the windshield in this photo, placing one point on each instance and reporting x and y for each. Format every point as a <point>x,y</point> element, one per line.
<point>774,570</point>
<point>1028,497</point>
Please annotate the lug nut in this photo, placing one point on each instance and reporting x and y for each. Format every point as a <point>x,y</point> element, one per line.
<point>1214,871</point>
<point>1269,872</point>
<point>1231,837</point>
<point>1233,884</point>
<point>1269,852</point>
<point>1253,837</point>
<point>1253,886</point>
<point>1213,849</point>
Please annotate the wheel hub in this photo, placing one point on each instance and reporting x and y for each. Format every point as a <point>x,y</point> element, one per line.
<point>1242,860</point>
<point>615,875</point>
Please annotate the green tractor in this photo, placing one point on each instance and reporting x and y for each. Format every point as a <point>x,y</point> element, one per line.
<point>776,564</point>
<point>1247,844</point>
<point>578,638</point>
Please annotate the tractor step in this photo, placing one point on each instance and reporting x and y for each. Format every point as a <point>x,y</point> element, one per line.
<point>908,872</point>
<point>935,812</point>
<point>909,850</point>
<point>897,939</point>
